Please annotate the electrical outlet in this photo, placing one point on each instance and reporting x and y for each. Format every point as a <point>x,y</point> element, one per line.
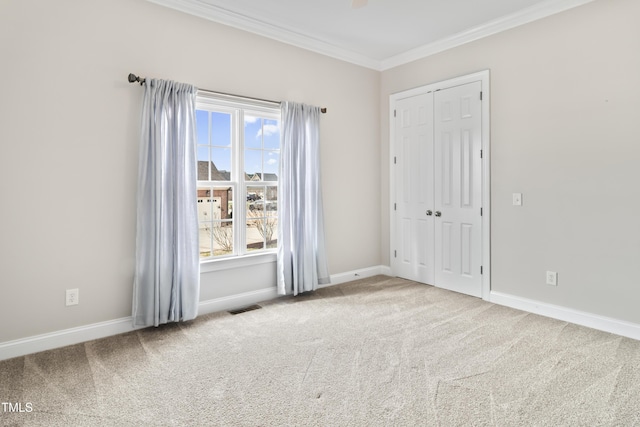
<point>73,297</point>
<point>517,199</point>
<point>552,278</point>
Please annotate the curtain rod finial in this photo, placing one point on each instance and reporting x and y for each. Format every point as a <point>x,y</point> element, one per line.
<point>133,78</point>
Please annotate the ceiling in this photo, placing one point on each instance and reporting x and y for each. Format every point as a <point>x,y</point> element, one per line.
<point>380,35</point>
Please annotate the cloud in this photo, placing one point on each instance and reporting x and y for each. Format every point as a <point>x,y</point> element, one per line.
<point>272,161</point>
<point>250,119</point>
<point>268,130</point>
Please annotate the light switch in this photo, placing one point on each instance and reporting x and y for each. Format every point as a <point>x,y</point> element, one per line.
<point>517,199</point>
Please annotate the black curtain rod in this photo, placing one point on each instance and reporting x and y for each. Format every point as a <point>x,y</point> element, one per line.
<point>133,78</point>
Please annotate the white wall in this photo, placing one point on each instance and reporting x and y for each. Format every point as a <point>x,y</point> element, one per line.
<point>69,139</point>
<point>565,101</point>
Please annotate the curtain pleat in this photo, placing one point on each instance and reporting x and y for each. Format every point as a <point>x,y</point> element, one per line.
<point>302,261</point>
<point>167,272</point>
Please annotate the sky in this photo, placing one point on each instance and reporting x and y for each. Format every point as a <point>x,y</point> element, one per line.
<point>261,141</point>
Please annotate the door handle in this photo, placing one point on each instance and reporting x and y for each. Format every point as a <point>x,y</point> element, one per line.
<point>429,212</point>
<point>438,213</point>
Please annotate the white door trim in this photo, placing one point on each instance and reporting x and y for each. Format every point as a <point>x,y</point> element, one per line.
<point>484,78</point>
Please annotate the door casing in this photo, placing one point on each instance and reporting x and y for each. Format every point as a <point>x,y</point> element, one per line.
<point>483,77</point>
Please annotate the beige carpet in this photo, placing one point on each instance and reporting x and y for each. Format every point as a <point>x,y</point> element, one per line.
<point>375,352</point>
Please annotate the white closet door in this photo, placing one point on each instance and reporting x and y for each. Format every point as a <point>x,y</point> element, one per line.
<point>414,221</point>
<point>458,188</point>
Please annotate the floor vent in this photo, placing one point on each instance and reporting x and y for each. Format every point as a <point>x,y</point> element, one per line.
<point>245,309</point>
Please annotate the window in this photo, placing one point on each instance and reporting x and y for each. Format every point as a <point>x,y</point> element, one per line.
<point>238,161</point>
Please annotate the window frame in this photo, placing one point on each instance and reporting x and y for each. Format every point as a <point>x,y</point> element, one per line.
<point>238,108</point>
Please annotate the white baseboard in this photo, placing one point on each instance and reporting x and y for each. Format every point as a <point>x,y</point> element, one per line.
<point>37,343</point>
<point>601,323</point>
<point>348,276</point>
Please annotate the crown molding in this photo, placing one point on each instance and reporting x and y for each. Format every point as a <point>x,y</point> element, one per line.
<point>268,29</point>
<point>273,31</point>
<point>525,16</point>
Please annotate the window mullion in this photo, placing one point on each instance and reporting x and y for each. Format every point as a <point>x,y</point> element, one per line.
<point>241,196</point>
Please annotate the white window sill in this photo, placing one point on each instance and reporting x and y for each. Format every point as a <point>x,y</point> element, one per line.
<point>237,262</point>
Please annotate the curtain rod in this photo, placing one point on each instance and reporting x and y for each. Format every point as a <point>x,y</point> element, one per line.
<point>133,78</point>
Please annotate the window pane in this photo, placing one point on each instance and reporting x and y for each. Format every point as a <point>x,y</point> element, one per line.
<point>255,198</point>
<point>255,226</point>
<point>271,165</point>
<point>262,230</point>
<point>222,235</point>
<point>223,203</point>
<point>202,126</point>
<point>203,163</point>
<point>252,132</point>
<point>253,165</point>
<point>221,129</point>
<point>271,134</point>
<point>204,220</point>
<point>271,203</point>
<point>262,217</point>
<point>206,248</point>
<point>221,167</point>
<point>215,217</point>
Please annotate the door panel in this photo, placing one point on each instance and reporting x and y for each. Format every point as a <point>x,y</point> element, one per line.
<point>458,171</point>
<point>445,246</point>
<point>466,242</point>
<point>422,246</point>
<point>406,255</point>
<point>414,189</point>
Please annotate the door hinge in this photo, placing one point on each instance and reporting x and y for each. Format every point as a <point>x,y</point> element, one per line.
<point>480,153</point>
<point>480,95</point>
<point>480,211</point>
<point>395,207</point>
<point>480,269</point>
<point>394,113</point>
<point>395,160</point>
<point>395,254</point>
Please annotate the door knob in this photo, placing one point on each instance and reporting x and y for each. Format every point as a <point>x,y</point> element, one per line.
<point>438,213</point>
<point>429,212</point>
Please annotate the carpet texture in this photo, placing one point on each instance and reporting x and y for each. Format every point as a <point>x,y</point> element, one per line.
<point>375,352</point>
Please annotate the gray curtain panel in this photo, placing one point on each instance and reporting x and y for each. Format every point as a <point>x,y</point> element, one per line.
<point>302,261</point>
<point>167,272</point>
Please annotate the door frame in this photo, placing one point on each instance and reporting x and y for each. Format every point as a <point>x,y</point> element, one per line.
<point>483,77</point>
